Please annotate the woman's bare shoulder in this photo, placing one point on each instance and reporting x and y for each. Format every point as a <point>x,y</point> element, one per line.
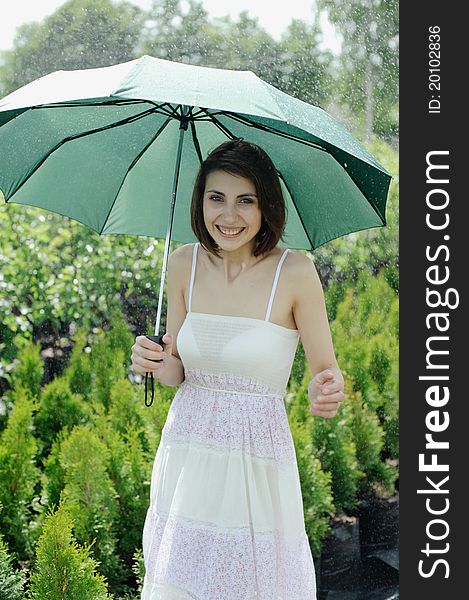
<point>181,253</point>
<point>301,272</point>
<point>298,263</point>
<point>180,261</point>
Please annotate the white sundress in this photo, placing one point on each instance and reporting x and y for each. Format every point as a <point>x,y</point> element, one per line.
<point>226,520</point>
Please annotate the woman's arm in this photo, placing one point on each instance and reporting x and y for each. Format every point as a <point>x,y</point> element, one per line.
<point>309,311</point>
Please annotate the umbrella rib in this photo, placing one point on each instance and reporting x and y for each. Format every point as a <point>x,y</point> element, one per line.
<point>133,163</point>
<point>80,104</point>
<point>196,141</point>
<point>268,129</point>
<point>220,126</point>
<point>158,108</point>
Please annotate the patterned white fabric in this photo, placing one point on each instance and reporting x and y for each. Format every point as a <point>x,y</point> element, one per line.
<point>225,520</point>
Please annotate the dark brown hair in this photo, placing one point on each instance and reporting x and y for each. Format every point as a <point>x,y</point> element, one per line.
<point>239,157</point>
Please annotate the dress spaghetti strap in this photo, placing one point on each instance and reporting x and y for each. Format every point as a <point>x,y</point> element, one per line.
<point>191,284</point>
<point>274,286</point>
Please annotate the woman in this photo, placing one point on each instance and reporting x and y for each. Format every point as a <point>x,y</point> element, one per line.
<point>226,517</point>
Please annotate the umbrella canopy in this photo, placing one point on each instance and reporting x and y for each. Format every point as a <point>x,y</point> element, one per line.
<point>103,146</point>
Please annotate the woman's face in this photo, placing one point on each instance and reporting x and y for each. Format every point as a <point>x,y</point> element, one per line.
<point>231,209</point>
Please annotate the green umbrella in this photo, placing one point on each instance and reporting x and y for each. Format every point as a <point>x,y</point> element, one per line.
<point>117,148</point>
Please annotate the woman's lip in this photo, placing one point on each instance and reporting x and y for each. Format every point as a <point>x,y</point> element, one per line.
<point>230,236</point>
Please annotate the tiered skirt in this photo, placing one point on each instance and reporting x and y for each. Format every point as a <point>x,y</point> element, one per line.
<point>225,520</point>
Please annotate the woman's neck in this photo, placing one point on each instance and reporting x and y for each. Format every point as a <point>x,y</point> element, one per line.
<point>233,263</point>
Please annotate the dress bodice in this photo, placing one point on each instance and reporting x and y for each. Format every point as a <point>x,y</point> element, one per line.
<point>237,353</point>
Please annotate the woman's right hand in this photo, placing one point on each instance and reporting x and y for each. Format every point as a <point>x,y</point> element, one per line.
<point>144,351</point>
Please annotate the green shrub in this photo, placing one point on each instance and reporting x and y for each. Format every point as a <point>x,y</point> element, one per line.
<point>64,569</point>
<point>333,296</point>
<point>335,448</point>
<point>11,580</point>
<point>91,498</point>
<point>129,468</point>
<point>110,358</point>
<point>298,368</point>
<point>131,472</point>
<point>127,410</point>
<point>368,436</point>
<point>53,475</point>
<point>19,474</point>
<point>332,444</point>
<point>388,413</point>
<point>107,367</point>
<point>59,408</point>
<point>138,569</point>
<point>29,369</point>
<point>119,336</point>
<point>78,371</point>
<point>297,401</point>
<point>366,341</point>
<point>380,361</point>
<point>315,487</point>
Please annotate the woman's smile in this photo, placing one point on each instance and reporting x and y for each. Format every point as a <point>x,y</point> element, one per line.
<point>230,232</point>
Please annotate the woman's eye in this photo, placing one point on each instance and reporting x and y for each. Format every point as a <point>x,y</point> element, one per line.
<point>215,197</point>
<point>247,200</point>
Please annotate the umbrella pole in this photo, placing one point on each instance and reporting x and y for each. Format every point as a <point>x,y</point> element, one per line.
<point>182,129</point>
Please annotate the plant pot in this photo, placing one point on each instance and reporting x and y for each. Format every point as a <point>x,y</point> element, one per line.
<point>379,524</point>
<point>341,551</point>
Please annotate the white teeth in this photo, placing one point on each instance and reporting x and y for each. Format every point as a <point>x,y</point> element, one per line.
<point>230,231</point>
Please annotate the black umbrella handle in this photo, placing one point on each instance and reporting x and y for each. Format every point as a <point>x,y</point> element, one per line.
<point>159,340</point>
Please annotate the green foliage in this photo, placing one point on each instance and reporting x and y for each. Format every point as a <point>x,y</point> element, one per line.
<point>298,368</point>
<point>315,487</point>
<point>335,448</point>
<point>59,408</point>
<point>91,497</point>
<point>366,342</point>
<point>29,369</point>
<point>11,580</point>
<point>79,372</point>
<point>127,411</point>
<point>55,275</point>
<point>139,569</point>
<point>107,366</point>
<point>119,336</point>
<point>368,438</point>
<point>388,410</point>
<point>63,568</point>
<point>18,474</point>
<point>129,469</point>
<point>380,361</point>
<point>53,476</point>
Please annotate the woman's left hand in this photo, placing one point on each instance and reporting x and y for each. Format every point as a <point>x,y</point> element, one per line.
<point>326,392</point>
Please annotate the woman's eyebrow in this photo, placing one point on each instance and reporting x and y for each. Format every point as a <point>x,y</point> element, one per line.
<point>222,194</point>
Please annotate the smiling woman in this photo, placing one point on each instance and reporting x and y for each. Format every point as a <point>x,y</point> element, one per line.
<point>226,514</point>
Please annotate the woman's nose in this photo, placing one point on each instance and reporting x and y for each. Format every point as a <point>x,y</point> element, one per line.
<point>229,211</point>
